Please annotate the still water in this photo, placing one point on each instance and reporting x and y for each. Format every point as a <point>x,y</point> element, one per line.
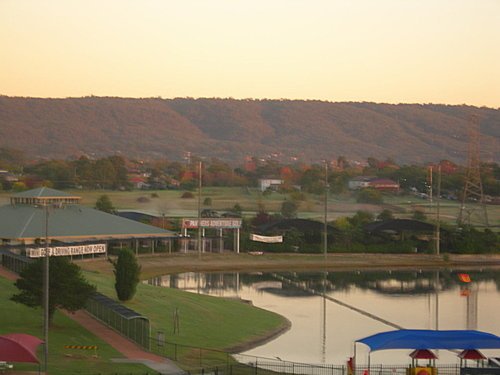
<point>330,311</point>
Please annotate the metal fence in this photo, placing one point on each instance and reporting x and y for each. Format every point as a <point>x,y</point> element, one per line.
<point>191,357</point>
<point>120,318</point>
<point>260,365</point>
<point>15,263</point>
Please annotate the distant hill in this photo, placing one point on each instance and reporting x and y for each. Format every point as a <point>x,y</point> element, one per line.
<point>231,129</point>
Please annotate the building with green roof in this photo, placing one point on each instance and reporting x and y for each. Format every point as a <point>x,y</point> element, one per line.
<point>36,214</point>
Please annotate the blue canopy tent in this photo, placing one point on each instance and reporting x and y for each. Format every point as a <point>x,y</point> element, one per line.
<point>430,339</point>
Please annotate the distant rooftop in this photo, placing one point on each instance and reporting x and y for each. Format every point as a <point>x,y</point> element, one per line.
<point>43,196</point>
<point>25,219</point>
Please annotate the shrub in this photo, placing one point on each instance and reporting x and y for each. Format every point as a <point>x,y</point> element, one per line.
<point>127,271</point>
<point>369,196</point>
<point>187,195</point>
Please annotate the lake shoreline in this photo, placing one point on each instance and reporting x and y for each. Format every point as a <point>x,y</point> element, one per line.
<point>162,264</point>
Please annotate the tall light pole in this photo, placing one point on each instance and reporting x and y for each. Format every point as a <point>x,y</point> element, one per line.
<point>46,292</point>
<point>438,218</point>
<point>199,209</point>
<point>325,234</point>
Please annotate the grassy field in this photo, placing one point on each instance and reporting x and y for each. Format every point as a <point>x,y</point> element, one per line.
<point>205,321</point>
<point>17,318</point>
<point>170,203</point>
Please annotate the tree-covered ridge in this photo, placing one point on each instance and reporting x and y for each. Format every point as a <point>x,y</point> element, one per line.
<point>231,129</point>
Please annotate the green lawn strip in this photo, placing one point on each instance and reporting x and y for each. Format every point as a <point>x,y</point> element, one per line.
<point>205,321</point>
<point>17,318</point>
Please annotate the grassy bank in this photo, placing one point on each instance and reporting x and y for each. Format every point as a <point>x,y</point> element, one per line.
<point>204,321</point>
<point>17,318</point>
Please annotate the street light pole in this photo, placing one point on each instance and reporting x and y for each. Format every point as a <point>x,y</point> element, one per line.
<point>46,292</point>
<point>325,234</point>
<point>199,209</point>
<point>438,218</point>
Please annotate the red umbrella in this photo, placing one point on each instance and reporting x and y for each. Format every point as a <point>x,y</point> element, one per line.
<point>19,347</point>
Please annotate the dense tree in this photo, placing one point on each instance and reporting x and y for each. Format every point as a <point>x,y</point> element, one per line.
<point>68,289</point>
<point>369,196</point>
<point>289,209</point>
<point>127,271</point>
<point>104,204</point>
<point>59,173</point>
<point>385,215</point>
<point>11,159</point>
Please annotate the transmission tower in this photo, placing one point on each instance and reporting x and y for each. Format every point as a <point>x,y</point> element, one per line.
<point>473,189</point>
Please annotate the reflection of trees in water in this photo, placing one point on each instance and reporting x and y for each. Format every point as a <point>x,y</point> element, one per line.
<point>384,282</point>
<point>390,282</point>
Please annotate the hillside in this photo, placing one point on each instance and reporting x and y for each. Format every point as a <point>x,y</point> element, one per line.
<point>231,129</point>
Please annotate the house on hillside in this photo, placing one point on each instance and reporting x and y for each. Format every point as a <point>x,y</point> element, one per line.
<point>360,182</point>
<point>6,176</point>
<point>384,184</point>
<point>270,183</point>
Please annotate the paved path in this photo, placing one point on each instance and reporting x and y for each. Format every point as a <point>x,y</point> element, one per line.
<point>130,350</point>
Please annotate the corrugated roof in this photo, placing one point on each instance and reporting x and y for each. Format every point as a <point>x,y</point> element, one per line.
<point>117,307</point>
<point>71,222</point>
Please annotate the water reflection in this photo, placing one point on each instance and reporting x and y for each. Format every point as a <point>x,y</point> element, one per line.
<point>330,310</point>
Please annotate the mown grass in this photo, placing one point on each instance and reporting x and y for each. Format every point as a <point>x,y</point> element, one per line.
<point>170,203</point>
<point>204,321</point>
<point>17,318</point>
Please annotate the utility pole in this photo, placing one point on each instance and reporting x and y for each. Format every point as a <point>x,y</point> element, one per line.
<point>325,234</point>
<point>46,292</point>
<point>473,185</point>
<point>199,209</point>
<point>438,219</point>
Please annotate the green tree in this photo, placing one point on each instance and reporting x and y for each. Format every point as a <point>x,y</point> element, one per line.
<point>289,209</point>
<point>104,203</point>
<point>68,289</point>
<point>419,215</point>
<point>369,196</point>
<point>385,215</point>
<point>127,271</point>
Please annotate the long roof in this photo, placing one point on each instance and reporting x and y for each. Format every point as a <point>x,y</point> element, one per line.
<point>430,339</point>
<point>71,223</point>
<point>42,192</point>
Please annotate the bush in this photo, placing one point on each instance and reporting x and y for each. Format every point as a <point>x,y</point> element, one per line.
<point>104,204</point>
<point>369,196</point>
<point>187,195</point>
<point>127,271</point>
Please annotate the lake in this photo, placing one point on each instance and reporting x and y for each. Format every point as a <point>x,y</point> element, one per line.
<point>330,310</point>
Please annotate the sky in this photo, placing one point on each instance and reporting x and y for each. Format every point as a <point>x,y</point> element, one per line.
<point>390,51</point>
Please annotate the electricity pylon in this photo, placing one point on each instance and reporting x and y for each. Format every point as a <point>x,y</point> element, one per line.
<point>473,189</point>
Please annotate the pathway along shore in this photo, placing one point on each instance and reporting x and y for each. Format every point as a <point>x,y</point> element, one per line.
<point>161,264</point>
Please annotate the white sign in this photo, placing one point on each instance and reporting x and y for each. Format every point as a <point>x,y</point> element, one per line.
<point>59,251</point>
<point>266,239</point>
<point>212,223</point>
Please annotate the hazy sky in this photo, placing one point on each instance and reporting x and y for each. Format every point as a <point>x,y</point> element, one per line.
<point>424,51</point>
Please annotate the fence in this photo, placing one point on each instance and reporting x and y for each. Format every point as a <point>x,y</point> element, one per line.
<point>15,263</point>
<point>122,319</point>
<point>191,357</point>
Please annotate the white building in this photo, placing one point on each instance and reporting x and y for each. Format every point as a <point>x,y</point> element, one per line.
<point>269,183</point>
